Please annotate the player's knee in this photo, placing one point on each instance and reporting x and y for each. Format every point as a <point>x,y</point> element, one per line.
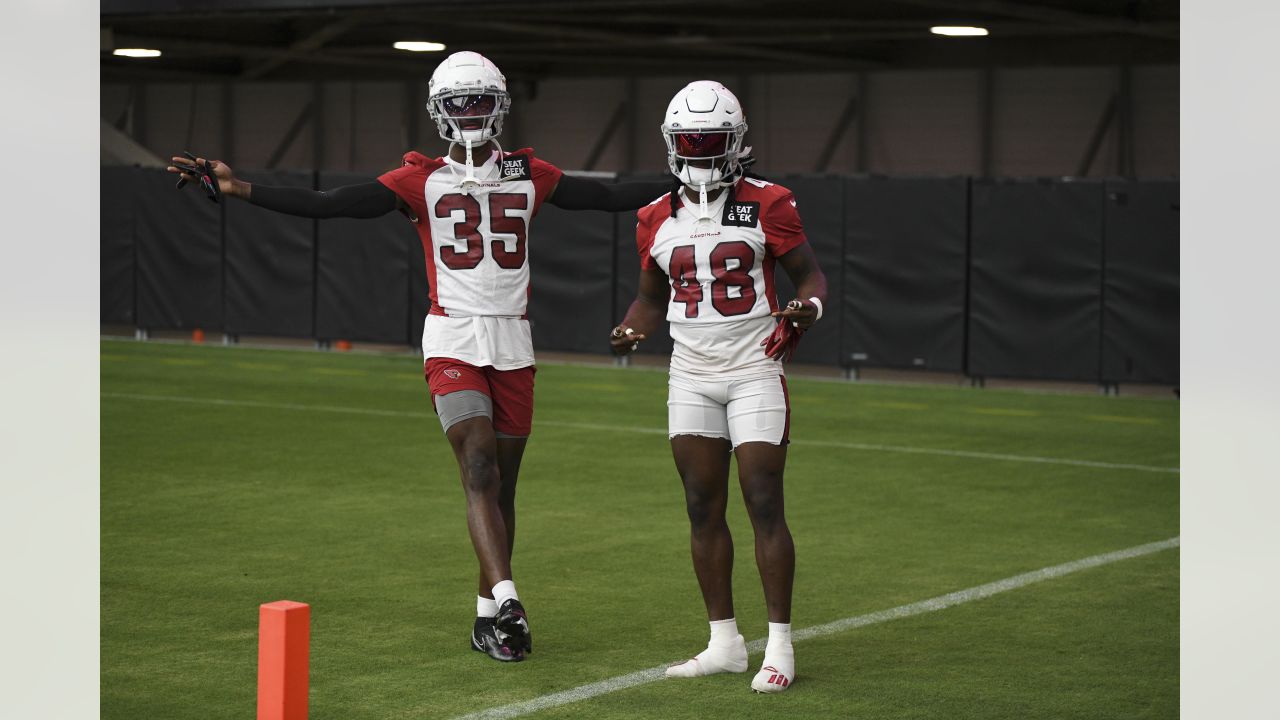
<point>704,511</point>
<point>766,513</point>
<point>480,473</point>
<point>764,505</point>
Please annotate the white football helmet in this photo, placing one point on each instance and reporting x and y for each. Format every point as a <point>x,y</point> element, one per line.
<point>704,122</point>
<point>467,97</point>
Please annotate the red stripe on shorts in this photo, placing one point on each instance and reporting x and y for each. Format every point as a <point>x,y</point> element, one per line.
<point>786,396</point>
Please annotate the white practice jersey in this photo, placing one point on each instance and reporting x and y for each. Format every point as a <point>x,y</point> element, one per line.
<point>475,244</point>
<point>721,272</point>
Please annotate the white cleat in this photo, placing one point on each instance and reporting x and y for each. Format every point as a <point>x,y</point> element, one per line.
<point>771,680</point>
<point>777,671</point>
<point>715,659</point>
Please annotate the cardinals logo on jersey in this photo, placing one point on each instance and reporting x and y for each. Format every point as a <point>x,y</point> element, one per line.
<point>741,214</point>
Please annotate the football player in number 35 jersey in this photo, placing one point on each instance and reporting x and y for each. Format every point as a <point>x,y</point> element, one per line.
<point>707,257</point>
<point>472,210</point>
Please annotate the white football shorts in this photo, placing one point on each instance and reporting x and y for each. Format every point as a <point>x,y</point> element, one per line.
<point>752,410</point>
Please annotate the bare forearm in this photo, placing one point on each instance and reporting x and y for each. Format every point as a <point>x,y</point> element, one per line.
<point>814,285</point>
<point>644,316</point>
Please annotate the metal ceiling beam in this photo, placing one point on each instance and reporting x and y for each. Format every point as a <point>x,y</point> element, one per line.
<point>434,10</point>
<point>1039,13</point>
<point>305,46</point>
<point>699,43</point>
<point>810,40</point>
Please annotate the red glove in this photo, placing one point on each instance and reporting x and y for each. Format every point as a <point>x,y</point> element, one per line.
<point>783,341</point>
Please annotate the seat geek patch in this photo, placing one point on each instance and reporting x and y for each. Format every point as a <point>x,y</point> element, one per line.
<point>741,214</point>
<point>515,168</point>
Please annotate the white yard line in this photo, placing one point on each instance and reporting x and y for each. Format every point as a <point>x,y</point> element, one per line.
<point>653,674</point>
<point>971,454</point>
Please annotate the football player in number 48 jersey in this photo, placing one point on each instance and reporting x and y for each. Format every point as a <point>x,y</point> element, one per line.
<point>707,257</point>
<point>472,209</point>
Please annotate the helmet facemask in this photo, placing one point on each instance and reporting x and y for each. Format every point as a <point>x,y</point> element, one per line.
<point>469,116</point>
<point>689,152</point>
<point>705,159</point>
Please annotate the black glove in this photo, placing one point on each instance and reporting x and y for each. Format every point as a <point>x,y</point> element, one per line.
<point>203,171</point>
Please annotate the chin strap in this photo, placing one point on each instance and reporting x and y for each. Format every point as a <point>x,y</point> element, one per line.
<point>469,181</point>
<point>704,214</point>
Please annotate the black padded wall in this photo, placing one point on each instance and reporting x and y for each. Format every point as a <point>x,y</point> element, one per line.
<point>571,266</point>
<point>116,245</point>
<point>362,274</point>
<point>269,264</point>
<point>179,252</point>
<point>628,274</point>
<point>1140,296</point>
<point>820,202</point>
<point>1036,279</point>
<point>904,272</point>
<point>419,289</point>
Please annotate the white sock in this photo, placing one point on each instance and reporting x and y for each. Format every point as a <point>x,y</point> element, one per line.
<point>779,667</point>
<point>504,591</point>
<point>723,631</point>
<point>486,607</point>
<point>726,652</point>
<point>779,636</point>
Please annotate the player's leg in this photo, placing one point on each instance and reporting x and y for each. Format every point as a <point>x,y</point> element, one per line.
<point>512,392</point>
<point>460,395</point>
<point>475,448</point>
<point>703,464</point>
<point>759,415</point>
<point>510,452</point>
<point>760,471</point>
<point>700,446</point>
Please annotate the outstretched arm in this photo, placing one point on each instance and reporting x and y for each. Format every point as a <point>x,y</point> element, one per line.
<point>645,313</point>
<point>366,200</point>
<point>578,193</point>
<point>802,267</point>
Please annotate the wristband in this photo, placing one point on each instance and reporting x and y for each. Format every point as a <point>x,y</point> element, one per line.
<point>817,303</point>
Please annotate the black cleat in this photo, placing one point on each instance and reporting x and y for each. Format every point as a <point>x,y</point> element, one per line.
<point>513,626</point>
<point>484,638</point>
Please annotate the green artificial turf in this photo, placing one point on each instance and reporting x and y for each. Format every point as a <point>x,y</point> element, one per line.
<point>324,478</point>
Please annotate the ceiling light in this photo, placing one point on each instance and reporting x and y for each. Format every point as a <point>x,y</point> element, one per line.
<point>136,52</point>
<point>958,30</point>
<point>418,46</point>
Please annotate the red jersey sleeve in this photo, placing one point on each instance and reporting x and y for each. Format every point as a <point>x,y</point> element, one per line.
<point>545,177</point>
<point>649,218</point>
<point>410,179</point>
<point>783,230</point>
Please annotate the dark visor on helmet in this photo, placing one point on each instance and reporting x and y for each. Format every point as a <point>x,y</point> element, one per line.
<point>470,105</point>
<point>701,145</point>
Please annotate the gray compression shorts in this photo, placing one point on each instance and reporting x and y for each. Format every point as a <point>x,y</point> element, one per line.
<point>464,405</point>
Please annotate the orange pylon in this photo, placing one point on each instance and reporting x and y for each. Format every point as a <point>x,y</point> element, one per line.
<point>284,656</point>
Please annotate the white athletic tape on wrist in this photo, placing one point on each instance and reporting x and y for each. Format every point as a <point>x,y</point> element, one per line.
<point>818,304</point>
